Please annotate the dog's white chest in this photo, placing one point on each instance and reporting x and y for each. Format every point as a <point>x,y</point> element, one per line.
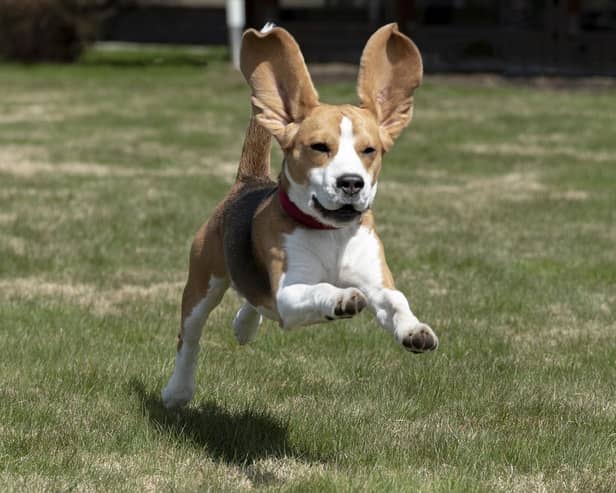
<point>343,257</point>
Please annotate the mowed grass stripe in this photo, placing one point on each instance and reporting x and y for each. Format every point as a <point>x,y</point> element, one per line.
<point>496,208</point>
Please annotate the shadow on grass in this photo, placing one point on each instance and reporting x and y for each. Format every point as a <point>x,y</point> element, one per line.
<point>240,437</point>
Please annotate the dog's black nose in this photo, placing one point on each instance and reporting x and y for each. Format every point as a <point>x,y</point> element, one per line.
<point>350,183</point>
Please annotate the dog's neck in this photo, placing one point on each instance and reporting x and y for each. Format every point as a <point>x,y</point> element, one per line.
<point>298,215</point>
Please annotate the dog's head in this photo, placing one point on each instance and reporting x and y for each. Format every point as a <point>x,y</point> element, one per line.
<point>332,153</point>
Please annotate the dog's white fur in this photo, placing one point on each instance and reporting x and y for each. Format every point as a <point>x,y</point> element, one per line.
<point>181,386</point>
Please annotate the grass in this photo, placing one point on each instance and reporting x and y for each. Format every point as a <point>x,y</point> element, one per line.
<point>498,212</point>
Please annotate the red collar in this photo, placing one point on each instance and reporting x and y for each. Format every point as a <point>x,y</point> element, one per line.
<point>298,215</point>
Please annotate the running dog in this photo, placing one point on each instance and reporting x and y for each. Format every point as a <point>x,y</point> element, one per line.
<point>304,249</point>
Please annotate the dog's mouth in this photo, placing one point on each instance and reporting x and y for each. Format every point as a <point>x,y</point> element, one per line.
<point>343,214</point>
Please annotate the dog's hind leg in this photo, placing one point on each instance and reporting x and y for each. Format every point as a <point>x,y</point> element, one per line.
<point>206,285</point>
<point>246,323</point>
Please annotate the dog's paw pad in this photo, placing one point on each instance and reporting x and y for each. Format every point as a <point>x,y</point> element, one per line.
<point>350,303</point>
<point>420,340</point>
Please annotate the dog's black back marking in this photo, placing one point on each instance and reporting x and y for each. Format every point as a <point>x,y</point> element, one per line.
<point>247,276</point>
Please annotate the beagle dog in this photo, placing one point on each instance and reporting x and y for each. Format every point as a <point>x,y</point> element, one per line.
<point>304,249</point>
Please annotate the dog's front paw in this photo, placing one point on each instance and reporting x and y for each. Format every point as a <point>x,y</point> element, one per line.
<point>419,338</point>
<point>175,396</point>
<point>350,302</point>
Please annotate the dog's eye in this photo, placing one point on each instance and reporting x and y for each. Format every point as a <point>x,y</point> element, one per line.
<point>368,150</point>
<point>319,147</point>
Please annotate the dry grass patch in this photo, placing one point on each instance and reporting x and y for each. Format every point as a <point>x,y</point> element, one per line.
<point>281,470</point>
<point>100,301</point>
<point>195,471</point>
<point>570,195</point>
<point>30,168</point>
<point>7,217</point>
<point>567,478</point>
<point>15,244</point>
<point>536,151</point>
<point>562,326</point>
<point>40,110</point>
<point>26,113</point>
<point>470,193</point>
<point>18,483</point>
<point>32,161</point>
<point>12,157</point>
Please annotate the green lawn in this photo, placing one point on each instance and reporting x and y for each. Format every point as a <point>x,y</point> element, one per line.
<point>497,208</point>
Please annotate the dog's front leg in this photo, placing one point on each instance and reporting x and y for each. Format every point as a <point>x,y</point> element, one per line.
<point>393,313</point>
<point>364,266</point>
<point>304,304</point>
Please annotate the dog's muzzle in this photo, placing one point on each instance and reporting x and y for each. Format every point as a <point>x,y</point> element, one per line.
<point>345,213</point>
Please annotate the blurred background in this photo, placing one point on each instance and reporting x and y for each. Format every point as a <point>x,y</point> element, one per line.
<point>518,37</point>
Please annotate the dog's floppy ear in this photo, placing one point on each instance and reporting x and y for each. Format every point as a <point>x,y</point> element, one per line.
<point>389,72</point>
<point>283,94</point>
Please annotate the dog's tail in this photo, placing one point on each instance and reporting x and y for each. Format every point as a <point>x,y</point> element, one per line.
<point>255,160</point>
